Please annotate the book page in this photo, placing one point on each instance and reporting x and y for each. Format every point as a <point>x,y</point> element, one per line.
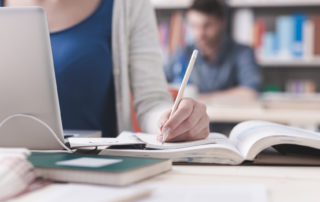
<point>217,148</point>
<point>153,143</point>
<point>125,138</point>
<point>251,137</point>
<point>222,152</point>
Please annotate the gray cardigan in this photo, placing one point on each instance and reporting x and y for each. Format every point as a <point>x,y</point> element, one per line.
<point>137,65</point>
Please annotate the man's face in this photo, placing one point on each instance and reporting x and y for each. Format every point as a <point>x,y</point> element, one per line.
<point>205,28</point>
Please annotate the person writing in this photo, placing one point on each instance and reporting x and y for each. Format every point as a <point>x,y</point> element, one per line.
<point>105,51</point>
<point>224,68</point>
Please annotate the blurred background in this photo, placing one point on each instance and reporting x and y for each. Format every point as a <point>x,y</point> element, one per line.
<point>285,37</point>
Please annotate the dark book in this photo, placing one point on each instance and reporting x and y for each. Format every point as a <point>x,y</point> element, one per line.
<point>107,170</point>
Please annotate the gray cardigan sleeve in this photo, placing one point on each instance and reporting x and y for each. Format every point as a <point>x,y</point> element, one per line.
<point>147,80</point>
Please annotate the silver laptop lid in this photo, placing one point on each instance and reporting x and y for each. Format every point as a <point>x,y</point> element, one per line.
<point>27,80</point>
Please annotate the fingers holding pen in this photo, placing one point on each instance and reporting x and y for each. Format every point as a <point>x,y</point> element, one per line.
<point>163,119</point>
<point>187,123</point>
<point>183,111</point>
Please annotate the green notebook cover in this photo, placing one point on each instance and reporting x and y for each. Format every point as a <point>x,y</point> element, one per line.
<point>49,160</point>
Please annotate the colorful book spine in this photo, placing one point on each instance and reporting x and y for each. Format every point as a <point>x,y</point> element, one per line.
<point>301,86</point>
<point>295,36</point>
<point>316,20</point>
<point>259,31</point>
<point>297,44</point>
<point>308,40</point>
<point>269,45</point>
<point>243,26</point>
<point>284,29</point>
<point>174,34</point>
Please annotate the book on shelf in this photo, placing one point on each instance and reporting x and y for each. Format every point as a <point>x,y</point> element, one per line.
<point>309,38</point>
<point>93,169</point>
<point>174,33</point>
<point>259,30</point>
<point>301,86</point>
<point>243,26</point>
<point>315,19</point>
<point>298,36</point>
<point>176,37</point>
<point>286,37</point>
<point>294,38</point>
<point>246,141</point>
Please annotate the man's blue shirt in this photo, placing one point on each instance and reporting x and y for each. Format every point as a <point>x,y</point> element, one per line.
<point>235,65</point>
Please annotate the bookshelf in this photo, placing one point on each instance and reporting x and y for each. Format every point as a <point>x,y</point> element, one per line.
<point>276,70</point>
<point>272,3</point>
<point>171,4</point>
<point>183,4</point>
<point>290,63</point>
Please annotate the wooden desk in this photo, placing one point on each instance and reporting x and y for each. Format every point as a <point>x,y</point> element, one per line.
<point>292,184</point>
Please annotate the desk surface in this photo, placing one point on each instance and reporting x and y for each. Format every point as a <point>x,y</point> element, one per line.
<point>292,184</point>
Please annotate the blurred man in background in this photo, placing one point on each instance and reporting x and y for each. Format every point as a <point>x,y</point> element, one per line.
<point>224,68</point>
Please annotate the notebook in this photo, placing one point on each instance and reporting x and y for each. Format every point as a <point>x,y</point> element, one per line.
<point>106,170</point>
<point>135,139</point>
<point>246,141</point>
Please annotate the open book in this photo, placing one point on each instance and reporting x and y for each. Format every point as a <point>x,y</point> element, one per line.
<point>246,141</point>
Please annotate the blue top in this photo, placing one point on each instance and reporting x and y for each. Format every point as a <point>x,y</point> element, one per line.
<point>83,64</point>
<point>83,67</point>
<point>235,66</point>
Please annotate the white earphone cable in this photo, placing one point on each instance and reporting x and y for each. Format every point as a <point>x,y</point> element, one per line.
<point>39,121</point>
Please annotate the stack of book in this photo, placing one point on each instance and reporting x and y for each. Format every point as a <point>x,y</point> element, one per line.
<point>19,169</point>
<point>93,169</point>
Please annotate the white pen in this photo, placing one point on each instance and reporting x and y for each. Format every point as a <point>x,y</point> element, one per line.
<point>182,87</point>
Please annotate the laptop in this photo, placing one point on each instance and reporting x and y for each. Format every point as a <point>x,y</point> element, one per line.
<point>29,107</point>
